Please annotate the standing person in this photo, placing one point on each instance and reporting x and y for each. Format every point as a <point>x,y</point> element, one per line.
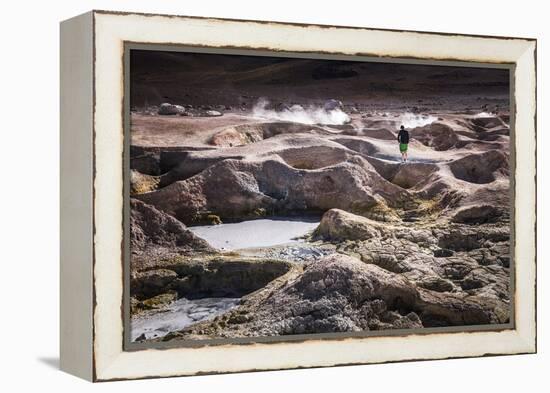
<point>403,139</point>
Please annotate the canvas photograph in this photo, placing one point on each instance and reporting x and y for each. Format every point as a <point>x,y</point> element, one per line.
<point>272,197</point>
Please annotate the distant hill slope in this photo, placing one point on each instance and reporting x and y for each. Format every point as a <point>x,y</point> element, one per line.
<point>206,79</point>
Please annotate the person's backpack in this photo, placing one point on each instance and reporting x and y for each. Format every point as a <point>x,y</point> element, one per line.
<point>403,136</point>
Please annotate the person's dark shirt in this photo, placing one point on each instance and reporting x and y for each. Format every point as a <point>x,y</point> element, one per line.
<point>403,136</point>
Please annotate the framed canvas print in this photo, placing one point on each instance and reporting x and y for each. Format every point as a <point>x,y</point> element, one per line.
<point>244,195</point>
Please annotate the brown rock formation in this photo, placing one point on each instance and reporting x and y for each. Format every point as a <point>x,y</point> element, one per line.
<point>154,233</point>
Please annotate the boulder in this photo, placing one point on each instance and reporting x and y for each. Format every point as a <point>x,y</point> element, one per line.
<point>170,109</point>
<point>339,225</point>
<point>153,229</point>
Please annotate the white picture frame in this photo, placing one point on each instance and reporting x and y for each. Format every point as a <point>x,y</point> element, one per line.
<point>92,193</point>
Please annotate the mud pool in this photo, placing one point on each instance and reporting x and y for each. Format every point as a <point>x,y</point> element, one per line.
<point>178,315</point>
<point>256,233</point>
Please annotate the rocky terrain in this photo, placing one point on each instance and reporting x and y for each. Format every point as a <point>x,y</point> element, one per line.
<point>398,245</point>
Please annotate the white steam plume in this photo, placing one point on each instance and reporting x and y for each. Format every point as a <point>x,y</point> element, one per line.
<point>411,120</point>
<point>299,114</point>
<point>484,114</point>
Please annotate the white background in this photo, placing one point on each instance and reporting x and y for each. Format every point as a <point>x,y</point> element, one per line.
<point>29,196</point>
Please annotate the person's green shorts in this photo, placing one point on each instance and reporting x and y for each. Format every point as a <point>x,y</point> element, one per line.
<point>403,147</point>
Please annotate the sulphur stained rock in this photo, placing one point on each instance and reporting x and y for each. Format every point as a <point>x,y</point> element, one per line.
<point>140,183</point>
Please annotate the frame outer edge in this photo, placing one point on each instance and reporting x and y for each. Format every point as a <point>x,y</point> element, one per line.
<point>76,197</point>
<point>526,341</point>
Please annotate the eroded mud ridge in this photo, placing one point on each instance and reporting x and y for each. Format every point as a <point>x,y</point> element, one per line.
<point>399,245</point>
